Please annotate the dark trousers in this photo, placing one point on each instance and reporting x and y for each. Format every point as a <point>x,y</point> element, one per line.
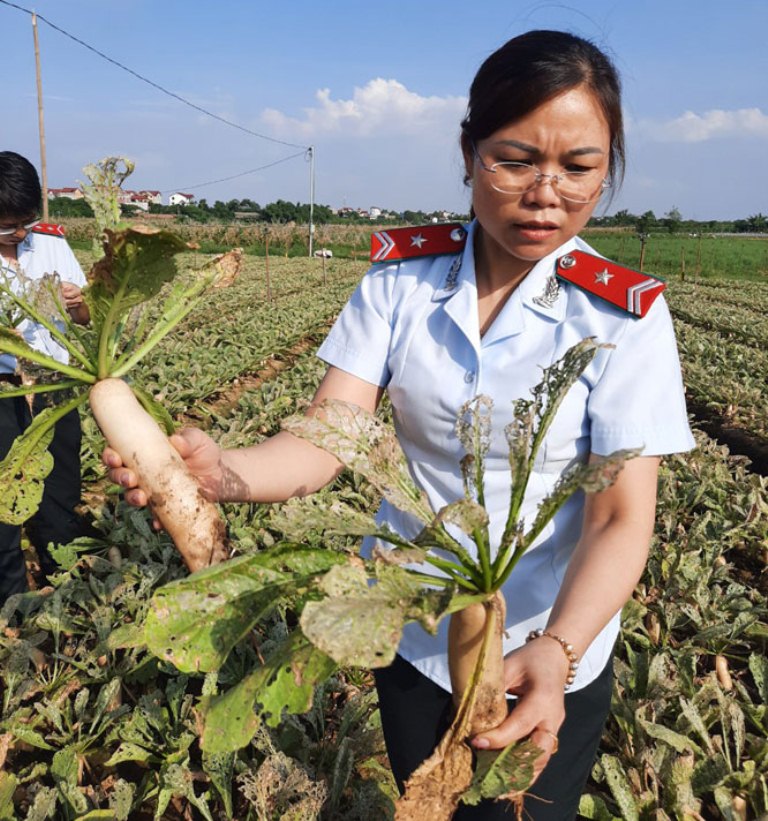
<point>415,712</point>
<point>56,521</point>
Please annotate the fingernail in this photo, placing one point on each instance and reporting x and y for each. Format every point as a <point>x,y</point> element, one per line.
<point>481,743</point>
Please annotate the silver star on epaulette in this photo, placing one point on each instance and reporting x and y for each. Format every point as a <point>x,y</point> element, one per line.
<point>550,295</point>
<point>603,277</point>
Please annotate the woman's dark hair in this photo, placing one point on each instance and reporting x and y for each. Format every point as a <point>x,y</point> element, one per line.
<point>530,70</point>
<point>20,192</point>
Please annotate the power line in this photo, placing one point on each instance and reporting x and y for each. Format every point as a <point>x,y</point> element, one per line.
<point>152,83</point>
<point>307,150</point>
<point>233,177</point>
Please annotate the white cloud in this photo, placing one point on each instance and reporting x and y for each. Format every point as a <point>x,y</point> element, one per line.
<point>691,127</point>
<point>380,106</point>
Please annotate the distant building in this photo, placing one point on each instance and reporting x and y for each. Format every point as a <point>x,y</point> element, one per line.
<point>374,213</point>
<point>152,197</point>
<point>139,199</point>
<point>68,193</point>
<point>181,199</point>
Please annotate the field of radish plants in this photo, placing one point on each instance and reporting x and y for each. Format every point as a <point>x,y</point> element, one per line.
<point>96,723</point>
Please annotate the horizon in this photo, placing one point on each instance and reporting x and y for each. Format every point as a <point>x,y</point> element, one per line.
<point>388,213</point>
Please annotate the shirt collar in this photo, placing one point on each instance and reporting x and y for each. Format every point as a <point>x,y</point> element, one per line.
<point>26,246</point>
<point>541,283</point>
<point>461,273</point>
<point>461,269</point>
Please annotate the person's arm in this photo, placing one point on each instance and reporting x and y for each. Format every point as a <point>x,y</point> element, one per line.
<point>276,469</point>
<point>603,571</point>
<point>74,303</point>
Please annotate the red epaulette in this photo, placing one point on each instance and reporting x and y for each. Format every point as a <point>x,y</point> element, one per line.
<point>49,228</point>
<point>420,241</point>
<point>632,291</point>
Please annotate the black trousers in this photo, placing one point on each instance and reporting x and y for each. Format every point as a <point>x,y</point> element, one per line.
<point>56,521</point>
<point>415,712</point>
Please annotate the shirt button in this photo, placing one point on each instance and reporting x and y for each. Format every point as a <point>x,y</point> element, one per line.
<point>469,376</point>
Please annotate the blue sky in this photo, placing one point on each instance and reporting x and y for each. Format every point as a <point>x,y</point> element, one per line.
<point>379,89</point>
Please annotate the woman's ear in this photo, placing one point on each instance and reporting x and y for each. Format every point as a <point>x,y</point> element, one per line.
<point>468,152</point>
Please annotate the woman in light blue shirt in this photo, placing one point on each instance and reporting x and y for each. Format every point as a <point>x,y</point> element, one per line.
<point>541,141</point>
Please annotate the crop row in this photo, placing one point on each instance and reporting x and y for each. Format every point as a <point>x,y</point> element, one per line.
<point>277,279</point>
<point>239,330</point>
<point>748,295</point>
<point>283,239</point>
<point>739,323</point>
<point>727,377</point>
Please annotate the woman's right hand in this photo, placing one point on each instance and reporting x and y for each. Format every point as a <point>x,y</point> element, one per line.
<point>535,673</point>
<point>200,453</point>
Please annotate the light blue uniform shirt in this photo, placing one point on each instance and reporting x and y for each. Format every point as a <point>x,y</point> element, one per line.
<point>413,327</point>
<point>40,254</point>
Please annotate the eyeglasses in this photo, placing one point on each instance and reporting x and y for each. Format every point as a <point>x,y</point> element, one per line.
<point>519,177</point>
<point>6,232</point>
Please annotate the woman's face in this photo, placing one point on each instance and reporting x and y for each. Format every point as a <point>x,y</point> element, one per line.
<point>19,231</point>
<point>567,133</point>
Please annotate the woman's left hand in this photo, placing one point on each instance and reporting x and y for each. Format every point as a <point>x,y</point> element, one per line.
<point>536,674</point>
<point>72,297</point>
<point>71,294</point>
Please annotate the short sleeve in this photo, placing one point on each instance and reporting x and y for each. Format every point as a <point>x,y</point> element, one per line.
<point>68,267</point>
<point>359,342</point>
<point>639,400</point>
<point>51,254</point>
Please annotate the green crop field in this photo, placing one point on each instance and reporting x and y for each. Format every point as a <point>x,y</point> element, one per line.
<point>691,257</point>
<point>96,729</point>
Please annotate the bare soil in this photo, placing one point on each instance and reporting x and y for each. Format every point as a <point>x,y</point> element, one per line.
<point>740,442</point>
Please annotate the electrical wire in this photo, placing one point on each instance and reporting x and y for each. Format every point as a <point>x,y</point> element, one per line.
<point>233,177</point>
<point>152,83</point>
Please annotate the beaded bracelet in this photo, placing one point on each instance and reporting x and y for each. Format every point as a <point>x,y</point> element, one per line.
<point>570,653</point>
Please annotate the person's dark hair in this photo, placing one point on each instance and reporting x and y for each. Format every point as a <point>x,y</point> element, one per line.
<point>20,191</point>
<point>530,70</point>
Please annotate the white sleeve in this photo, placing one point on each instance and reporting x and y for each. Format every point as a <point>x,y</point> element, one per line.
<point>639,398</point>
<point>67,266</point>
<point>359,342</point>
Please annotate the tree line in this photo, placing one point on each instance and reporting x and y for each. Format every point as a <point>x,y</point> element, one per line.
<point>246,210</point>
<point>673,222</point>
<point>282,212</point>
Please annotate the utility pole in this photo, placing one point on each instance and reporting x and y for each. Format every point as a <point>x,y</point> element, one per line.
<point>40,122</point>
<point>311,153</point>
